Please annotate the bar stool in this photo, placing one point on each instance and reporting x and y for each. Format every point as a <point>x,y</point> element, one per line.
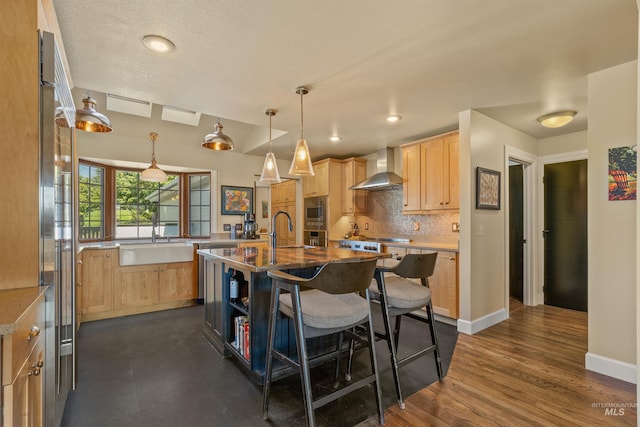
<point>399,297</point>
<point>333,305</point>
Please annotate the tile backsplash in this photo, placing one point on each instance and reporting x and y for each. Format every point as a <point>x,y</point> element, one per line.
<point>385,219</point>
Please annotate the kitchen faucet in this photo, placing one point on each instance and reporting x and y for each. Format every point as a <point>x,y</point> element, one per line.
<point>273,227</point>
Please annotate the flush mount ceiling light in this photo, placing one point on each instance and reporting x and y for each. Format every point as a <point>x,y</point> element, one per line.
<point>335,139</point>
<point>394,118</point>
<point>270,174</point>
<point>158,43</point>
<point>557,120</point>
<point>88,119</point>
<point>301,163</point>
<point>217,140</point>
<point>153,173</point>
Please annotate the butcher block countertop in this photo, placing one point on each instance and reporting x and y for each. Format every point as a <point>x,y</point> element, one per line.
<point>284,258</point>
<point>13,303</point>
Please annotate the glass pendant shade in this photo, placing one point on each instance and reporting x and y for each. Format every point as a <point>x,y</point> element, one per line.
<point>153,173</point>
<point>217,140</point>
<point>88,119</point>
<point>270,174</point>
<point>301,163</point>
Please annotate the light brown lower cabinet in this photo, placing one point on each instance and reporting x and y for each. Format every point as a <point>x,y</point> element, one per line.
<point>23,370</point>
<point>143,285</point>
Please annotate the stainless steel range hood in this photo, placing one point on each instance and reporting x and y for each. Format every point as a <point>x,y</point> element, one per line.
<point>384,178</point>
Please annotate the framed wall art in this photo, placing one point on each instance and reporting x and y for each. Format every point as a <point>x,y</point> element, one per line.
<point>236,200</point>
<point>487,189</point>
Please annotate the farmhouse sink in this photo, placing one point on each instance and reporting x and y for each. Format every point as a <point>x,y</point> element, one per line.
<point>155,253</point>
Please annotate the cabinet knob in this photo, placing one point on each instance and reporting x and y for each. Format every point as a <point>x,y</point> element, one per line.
<point>108,255</point>
<point>34,371</point>
<point>33,332</point>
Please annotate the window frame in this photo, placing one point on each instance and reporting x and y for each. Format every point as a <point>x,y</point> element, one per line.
<point>109,195</point>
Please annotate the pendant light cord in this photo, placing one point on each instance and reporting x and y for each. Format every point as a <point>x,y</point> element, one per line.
<point>301,116</point>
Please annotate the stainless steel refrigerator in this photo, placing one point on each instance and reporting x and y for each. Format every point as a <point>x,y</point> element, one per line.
<point>57,229</point>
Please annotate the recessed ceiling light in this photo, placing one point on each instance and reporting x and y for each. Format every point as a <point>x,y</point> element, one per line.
<point>158,44</point>
<point>557,120</point>
<point>335,139</point>
<point>393,118</point>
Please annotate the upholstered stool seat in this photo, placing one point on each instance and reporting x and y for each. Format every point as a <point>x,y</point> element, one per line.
<point>403,293</point>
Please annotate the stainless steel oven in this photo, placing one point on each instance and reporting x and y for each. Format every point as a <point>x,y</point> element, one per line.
<point>315,213</point>
<point>315,238</point>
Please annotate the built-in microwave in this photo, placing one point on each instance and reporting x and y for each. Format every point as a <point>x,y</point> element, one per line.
<point>315,213</point>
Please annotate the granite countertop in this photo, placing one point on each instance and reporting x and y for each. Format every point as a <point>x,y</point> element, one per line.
<point>439,246</point>
<point>13,304</point>
<point>284,258</point>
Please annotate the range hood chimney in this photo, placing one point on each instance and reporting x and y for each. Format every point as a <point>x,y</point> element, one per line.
<point>385,177</point>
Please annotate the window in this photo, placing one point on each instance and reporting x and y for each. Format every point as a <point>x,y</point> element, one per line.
<point>199,205</point>
<point>141,204</point>
<point>117,204</point>
<point>91,202</point>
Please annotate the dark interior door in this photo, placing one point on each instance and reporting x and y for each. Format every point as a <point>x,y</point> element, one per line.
<point>516,231</point>
<point>565,235</point>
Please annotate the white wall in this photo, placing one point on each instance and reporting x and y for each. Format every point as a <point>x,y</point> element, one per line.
<point>611,225</point>
<point>568,143</point>
<point>482,236</point>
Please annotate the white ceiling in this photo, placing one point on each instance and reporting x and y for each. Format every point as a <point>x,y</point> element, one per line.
<point>512,60</point>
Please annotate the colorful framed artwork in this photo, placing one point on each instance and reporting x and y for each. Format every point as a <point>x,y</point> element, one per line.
<point>487,189</point>
<point>623,173</point>
<point>236,200</point>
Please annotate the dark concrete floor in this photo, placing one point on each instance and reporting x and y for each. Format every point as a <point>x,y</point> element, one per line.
<point>157,369</point>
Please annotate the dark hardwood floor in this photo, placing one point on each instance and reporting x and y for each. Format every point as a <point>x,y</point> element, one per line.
<point>526,371</point>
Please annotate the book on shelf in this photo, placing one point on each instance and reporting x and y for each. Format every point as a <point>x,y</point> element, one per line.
<point>241,342</point>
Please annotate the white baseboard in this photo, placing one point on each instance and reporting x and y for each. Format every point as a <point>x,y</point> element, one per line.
<point>611,367</point>
<point>472,327</point>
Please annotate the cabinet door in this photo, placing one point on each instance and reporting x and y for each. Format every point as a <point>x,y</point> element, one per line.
<point>176,281</point>
<point>432,164</point>
<point>317,185</point>
<point>451,173</point>
<point>23,399</point>
<point>411,182</point>
<point>444,285</point>
<point>353,172</point>
<point>136,286</point>
<point>96,280</point>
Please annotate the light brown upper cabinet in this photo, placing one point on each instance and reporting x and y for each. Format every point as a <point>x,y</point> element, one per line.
<point>317,185</point>
<point>353,171</point>
<point>283,198</point>
<point>430,177</point>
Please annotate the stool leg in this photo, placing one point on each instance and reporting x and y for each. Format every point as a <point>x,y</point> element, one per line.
<point>389,337</point>
<point>336,380</point>
<point>275,293</point>
<point>434,339</point>
<point>347,375</point>
<point>396,332</point>
<point>374,364</point>
<point>303,362</point>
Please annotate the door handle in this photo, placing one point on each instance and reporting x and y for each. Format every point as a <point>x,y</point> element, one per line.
<point>545,232</point>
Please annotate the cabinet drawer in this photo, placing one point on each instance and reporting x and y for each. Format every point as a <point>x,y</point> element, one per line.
<point>23,398</point>
<point>17,346</point>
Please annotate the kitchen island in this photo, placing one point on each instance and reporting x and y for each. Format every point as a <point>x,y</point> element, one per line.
<point>239,328</point>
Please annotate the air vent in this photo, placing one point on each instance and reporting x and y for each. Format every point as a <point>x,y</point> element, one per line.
<point>180,115</point>
<point>122,104</point>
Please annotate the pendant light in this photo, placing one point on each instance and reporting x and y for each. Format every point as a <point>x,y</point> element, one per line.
<point>153,173</point>
<point>217,140</point>
<point>88,119</point>
<point>301,163</point>
<point>270,173</point>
